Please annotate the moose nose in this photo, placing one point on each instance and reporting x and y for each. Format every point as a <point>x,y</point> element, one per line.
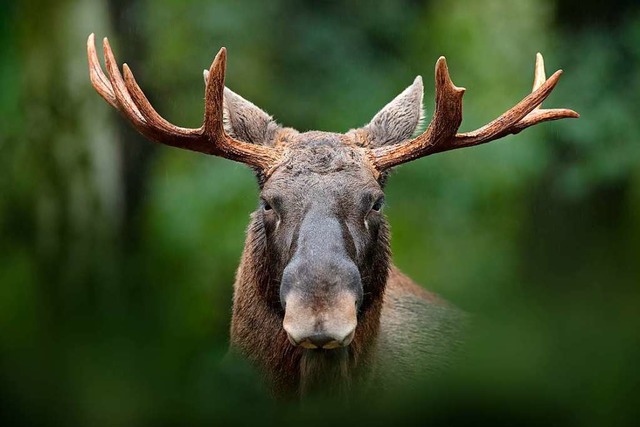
<point>331,327</point>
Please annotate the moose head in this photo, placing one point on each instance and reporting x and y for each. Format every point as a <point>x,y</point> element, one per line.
<point>317,260</point>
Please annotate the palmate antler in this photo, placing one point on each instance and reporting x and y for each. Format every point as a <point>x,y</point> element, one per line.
<point>125,95</point>
<point>441,134</point>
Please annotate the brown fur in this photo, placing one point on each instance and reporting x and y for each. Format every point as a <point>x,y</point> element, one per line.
<point>257,333</point>
<point>256,328</point>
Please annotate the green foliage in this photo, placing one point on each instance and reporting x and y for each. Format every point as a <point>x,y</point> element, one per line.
<point>117,257</point>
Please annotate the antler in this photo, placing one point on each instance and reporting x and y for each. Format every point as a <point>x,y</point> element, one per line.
<point>441,134</point>
<point>125,95</point>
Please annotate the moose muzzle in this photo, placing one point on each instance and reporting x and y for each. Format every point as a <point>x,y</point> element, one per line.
<point>313,324</point>
<point>321,288</point>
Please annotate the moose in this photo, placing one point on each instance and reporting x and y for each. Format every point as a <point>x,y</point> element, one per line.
<point>318,303</point>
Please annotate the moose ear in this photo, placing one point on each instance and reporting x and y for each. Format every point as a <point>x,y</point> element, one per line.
<point>399,119</point>
<point>244,121</point>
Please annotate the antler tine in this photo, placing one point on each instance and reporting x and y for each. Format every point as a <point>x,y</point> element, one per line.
<point>526,113</point>
<point>539,75</point>
<point>99,81</point>
<point>539,115</point>
<point>214,94</point>
<point>126,104</point>
<point>125,95</point>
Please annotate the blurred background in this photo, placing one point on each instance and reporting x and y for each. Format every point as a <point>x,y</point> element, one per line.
<point>117,256</point>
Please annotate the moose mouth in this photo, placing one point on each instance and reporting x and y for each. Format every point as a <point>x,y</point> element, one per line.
<point>322,342</point>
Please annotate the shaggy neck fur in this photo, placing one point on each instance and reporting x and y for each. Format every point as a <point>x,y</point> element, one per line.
<point>257,332</point>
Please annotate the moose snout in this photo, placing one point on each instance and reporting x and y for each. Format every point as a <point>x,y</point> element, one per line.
<point>329,327</point>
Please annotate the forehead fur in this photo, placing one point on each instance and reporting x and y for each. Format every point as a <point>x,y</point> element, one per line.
<point>322,153</point>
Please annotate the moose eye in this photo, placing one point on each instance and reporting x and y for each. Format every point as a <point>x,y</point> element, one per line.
<point>378,204</point>
<point>266,206</point>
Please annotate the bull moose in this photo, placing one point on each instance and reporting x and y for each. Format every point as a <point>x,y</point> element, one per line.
<point>318,304</point>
